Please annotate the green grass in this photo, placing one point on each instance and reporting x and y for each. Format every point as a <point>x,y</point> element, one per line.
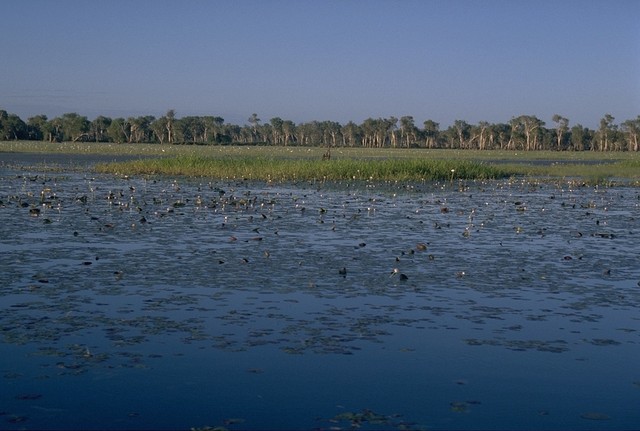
<point>309,152</point>
<point>302,163</point>
<point>278,169</point>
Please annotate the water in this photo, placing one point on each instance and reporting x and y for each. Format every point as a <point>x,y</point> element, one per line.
<point>171,303</point>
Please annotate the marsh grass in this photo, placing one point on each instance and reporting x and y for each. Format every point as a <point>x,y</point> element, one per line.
<point>593,173</point>
<point>278,169</point>
<point>298,163</point>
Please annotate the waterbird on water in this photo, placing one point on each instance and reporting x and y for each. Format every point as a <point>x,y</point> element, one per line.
<point>400,275</point>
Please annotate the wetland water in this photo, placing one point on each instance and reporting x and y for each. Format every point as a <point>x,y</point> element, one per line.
<point>177,303</point>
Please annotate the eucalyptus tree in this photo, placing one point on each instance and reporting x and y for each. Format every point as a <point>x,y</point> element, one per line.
<point>499,136</point>
<point>212,128</point>
<point>231,133</point>
<point>119,130</point>
<point>525,127</point>
<point>4,116</point>
<point>310,133</point>
<point>277,135</point>
<point>169,119</point>
<point>330,132</point>
<point>604,133</point>
<point>391,124</point>
<point>254,121</point>
<point>481,134</point>
<point>98,128</point>
<point>74,126</point>
<point>191,129</point>
<point>449,137</point>
<point>385,131</point>
<point>265,134</point>
<point>631,130</point>
<point>140,128</point>
<point>37,127</point>
<point>133,133</point>
<point>463,133</point>
<point>368,128</point>
<point>159,128</point>
<point>12,126</point>
<point>580,138</point>
<point>431,133</point>
<point>288,132</point>
<point>351,134</point>
<point>248,135</point>
<point>376,131</point>
<point>52,130</point>
<point>532,131</point>
<point>562,127</point>
<point>408,131</point>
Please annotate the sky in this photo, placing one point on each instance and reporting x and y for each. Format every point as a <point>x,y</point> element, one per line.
<point>338,60</point>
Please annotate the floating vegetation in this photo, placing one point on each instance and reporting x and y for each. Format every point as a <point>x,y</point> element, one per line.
<point>369,419</point>
<point>28,397</point>
<point>603,342</point>
<point>595,416</point>
<point>167,280</point>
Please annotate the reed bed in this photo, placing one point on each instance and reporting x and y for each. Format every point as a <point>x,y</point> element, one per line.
<point>276,169</point>
<point>302,163</point>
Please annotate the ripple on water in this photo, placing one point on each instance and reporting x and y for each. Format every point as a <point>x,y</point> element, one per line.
<point>130,275</point>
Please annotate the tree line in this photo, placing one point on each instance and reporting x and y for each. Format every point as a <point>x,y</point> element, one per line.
<point>525,132</point>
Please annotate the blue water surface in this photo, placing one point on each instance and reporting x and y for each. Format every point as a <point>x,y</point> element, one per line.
<point>133,303</point>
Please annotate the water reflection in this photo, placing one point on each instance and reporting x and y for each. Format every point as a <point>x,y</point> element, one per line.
<point>133,303</point>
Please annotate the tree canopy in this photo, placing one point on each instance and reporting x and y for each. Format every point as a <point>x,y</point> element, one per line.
<point>523,132</point>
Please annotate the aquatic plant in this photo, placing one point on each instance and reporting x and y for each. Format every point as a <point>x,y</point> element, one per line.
<point>276,169</point>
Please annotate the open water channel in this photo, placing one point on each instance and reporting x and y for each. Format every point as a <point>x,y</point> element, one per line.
<point>173,303</point>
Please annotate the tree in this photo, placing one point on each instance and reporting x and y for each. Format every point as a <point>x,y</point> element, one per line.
<point>140,128</point>
<point>37,127</point>
<point>119,130</point>
<point>170,118</point>
<point>159,129</point>
<point>462,132</point>
<point>330,132</point>
<point>212,128</point>
<point>604,132</point>
<point>190,129</point>
<point>233,131</point>
<point>562,127</point>
<point>631,130</point>
<point>368,128</point>
<point>310,133</point>
<point>11,126</point>
<point>431,131</point>
<point>351,134</point>
<point>527,127</point>
<point>265,134</point>
<point>98,128</point>
<point>408,131</point>
<point>74,126</point>
<point>254,121</point>
<point>288,131</point>
<point>276,130</point>
<point>481,132</point>
<point>580,138</point>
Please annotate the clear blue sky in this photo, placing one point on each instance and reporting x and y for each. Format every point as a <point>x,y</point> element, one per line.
<point>340,60</point>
